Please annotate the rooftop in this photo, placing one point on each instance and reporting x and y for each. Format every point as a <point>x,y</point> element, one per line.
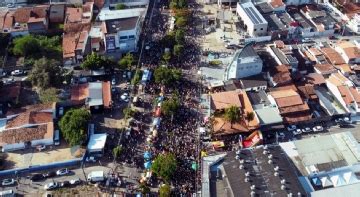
<point>223,100</point>
<point>97,141</point>
<point>258,98</point>
<point>333,56</point>
<point>106,14</point>
<point>95,94</point>
<point>265,117</point>
<point>253,81</point>
<point>261,173</point>
<point>323,153</point>
<point>121,24</point>
<point>252,13</point>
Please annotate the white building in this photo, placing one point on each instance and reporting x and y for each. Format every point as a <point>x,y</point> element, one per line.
<point>354,24</point>
<point>122,28</point>
<point>255,23</point>
<point>96,144</point>
<point>348,51</point>
<point>246,62</point>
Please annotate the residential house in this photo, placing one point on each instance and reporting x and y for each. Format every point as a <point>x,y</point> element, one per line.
<point>223,100</point>
<point>263,107</point>
<point>25,20</point>
<point>253,83</point>
<point>281,25</point>
<point>75,38</point>
<point>354,23</point>
<point>57,13</point>
<point>31,126</point>
<point>292,108</point>
<point>278,5</point>
<point>348,51</point>
<point>344,92</point>
<point>122,29</point>
<point>246,62</point>
<point>283,54</point>
<point>279,76</point>
<point>324,69</point>
<point>97,36</point>
<point>95,95</point>
<point>324,23</point>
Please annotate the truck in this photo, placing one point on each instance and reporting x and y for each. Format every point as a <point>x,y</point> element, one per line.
<point>96,176</point>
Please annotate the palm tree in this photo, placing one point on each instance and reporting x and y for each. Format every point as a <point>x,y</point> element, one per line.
<point>249,117</point>
<point>232,114</point>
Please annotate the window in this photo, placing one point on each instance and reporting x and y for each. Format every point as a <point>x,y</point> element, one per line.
<point>261,29</point>
<point>132,37</point>
<point>123,38</point>
<point>254,29</point>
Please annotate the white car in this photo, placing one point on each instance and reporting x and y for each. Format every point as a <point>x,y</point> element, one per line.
<point>62,172</point>
<point>318,128</point>
<point>282,135</point>
<point>7,182</point>
<point>113,81</point>
<point>52,185</point>
<point>17,72</point>
<point>75,181</point>
<point>291,127</point>
<point>307,130</point>
<point>297,132</point>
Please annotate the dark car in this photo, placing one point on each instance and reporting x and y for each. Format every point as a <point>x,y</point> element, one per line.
<point>50,174</point>
<point>65,184</point>
<point>37,177</point>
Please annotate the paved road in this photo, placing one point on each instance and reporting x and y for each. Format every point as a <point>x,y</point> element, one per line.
<point>26,187</point>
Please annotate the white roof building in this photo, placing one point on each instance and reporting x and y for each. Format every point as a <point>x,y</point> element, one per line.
<point>97,143</point>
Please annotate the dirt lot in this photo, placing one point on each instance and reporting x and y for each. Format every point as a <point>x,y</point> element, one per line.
<point>25,158</point>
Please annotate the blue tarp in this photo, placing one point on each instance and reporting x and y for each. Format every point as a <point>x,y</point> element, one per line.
<point>146,75</point>
<point>156,122</point>
<point>147,165</point>
<point>147,155</point>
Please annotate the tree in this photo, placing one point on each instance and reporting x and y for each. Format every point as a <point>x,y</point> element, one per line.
<point>164,166</point>
<point>180,36</point>
<point>127,61</point>
<point>128,112</point>
<point>117,151</point>
<point>137,77</point>
<point>95,61</point>
<point>49,95</point>
<point>166,76</point>
<point>165,190</point>
<point>170,106</point>
<point>232,114</point>
<point>182,3</point>
<point>249,116</point>
<point>178,49</point>
<point>120,6</point>
<point>2,160</point>
<point>26,45</point>
<point>181,22</point>
<point>46,73</point>
<point>73,126</point>
<point>167,57</point>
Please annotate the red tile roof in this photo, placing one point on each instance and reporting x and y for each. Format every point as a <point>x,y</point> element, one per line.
<point>30,117</point>
<point>106,89</point>
<point>79,92</point>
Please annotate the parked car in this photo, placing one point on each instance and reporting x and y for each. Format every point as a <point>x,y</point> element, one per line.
<point>113,81</point>
<point>307,130</point>
<point>65,184</point>
<point>61,111</point>
<point>75,181</point>
<point>62,172</point>
<point>318,128</point>
<point>291,127</point>
<point>17,72</point>
<point>50,174</point>
<point>37,177</point>
<point>297,132</point>
<point>90,159</point>
<point>7,182</point>
<point>52,185</point>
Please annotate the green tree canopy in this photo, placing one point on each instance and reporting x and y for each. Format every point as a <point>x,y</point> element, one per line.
<point>164,166</point>
<point>170,106</point>
<point>137,77</point>
<point>46,73</point>
<point>26,45</point>
<point>180,36</point>
<point>165,190</point>
<point>166,76</point>
<point>232,114</point>
<point>95,61</point>
<point>117,151</point>
<point>166,57</point>
<point>49,95</point>
<point>249,116</point>
<point>128,112</point>
<point>127,61</point>
<point>181,22</point>
<point>73,126</point>
<point>178,49</point>
<point>144,188</point>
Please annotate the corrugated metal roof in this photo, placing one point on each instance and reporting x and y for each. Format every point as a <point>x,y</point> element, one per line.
<point>95,94</point>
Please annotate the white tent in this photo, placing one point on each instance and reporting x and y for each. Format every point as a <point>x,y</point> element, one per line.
<point>349,178</point>
<point>325,182</point>
<point>337,180</point>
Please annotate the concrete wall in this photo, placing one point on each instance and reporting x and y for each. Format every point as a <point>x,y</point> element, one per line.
<point>49,141</point>
<point>252,29</point>
<point>12,147</point>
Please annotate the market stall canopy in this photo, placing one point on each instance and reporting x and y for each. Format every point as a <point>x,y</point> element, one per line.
<point>218,144</point>
<point>147,165</point>
<point>147,155</point>
<point>202,130</point>
<point>156,122</point>
<point>158,112</point>
<point>154,133</point>
<point>194,166</point>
